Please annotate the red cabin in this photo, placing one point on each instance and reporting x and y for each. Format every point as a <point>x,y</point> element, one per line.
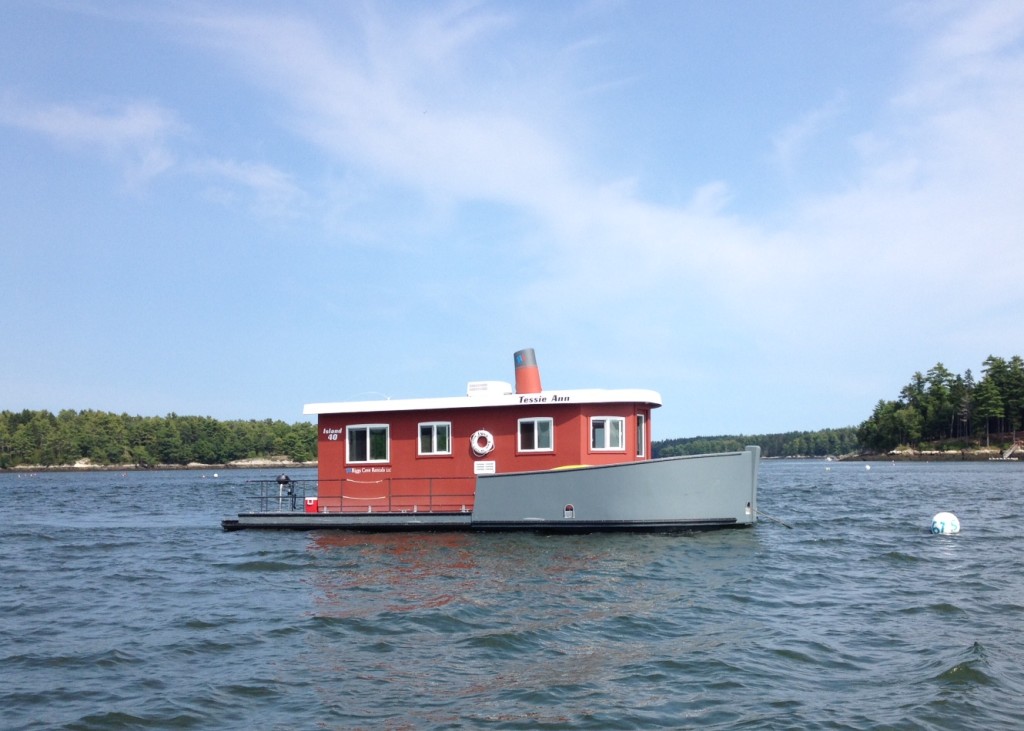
<point>423,455</point>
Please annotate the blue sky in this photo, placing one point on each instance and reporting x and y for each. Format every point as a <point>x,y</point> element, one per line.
<point>771,212</point>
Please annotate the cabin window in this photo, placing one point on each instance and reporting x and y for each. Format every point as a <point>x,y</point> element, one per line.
<point>641,435</point>
<point>435,438</point>
<point>608,433</point>
<point>368,443</point>
<point>536,435</point>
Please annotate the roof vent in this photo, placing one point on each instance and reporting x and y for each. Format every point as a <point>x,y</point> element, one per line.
<point>488,388</point>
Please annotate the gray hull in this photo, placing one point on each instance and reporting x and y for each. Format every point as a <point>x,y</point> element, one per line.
<point>702,492</point>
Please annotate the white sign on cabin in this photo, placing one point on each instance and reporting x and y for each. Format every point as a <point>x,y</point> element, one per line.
<point>484,467</point>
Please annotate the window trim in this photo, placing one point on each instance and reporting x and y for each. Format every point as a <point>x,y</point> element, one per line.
<point>535,420</point>
<point>608,447</point>
<point>435,452</point>
<point>641,435</point>
<point>368,428</point>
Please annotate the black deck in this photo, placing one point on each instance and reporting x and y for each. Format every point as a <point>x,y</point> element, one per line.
<point>457,521</point>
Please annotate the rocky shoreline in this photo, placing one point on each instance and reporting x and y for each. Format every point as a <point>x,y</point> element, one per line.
<point>990,454</point>
<point>86,465</point>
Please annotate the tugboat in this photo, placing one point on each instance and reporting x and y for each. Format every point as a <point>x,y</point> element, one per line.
<point>504,458</point>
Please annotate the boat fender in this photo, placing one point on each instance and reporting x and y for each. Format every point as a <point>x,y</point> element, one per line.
<point>482,442</point>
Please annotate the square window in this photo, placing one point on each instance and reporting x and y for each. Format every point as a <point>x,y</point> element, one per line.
<point>435,438</point>
<point>368,443</point>
<point>607,433</point>
<point>536,435</point>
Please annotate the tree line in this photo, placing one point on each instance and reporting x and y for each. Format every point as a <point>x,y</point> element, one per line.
<point>939,406</point>
<point>822,443</point>
<point>936,407</point>
<point>42,438</point>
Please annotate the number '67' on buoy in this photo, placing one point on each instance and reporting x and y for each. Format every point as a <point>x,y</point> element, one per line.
<point>945,524</point>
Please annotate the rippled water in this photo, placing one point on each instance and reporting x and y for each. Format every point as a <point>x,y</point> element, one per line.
<point>124,605</point>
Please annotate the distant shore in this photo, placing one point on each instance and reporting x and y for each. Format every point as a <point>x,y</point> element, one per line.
<point>85,465</point>
<point>984,454</point>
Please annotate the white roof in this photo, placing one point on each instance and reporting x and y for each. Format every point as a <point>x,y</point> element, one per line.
<point>491,399</point>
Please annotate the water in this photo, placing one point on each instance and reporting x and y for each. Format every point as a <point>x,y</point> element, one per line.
<point>123,605</point>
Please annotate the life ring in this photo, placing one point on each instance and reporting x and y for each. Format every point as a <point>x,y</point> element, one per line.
<point>481,436</point>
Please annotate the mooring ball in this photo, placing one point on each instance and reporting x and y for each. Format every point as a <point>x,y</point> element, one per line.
<point>945,523</point>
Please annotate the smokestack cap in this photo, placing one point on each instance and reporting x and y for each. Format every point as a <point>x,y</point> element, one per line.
<point>527,373</point>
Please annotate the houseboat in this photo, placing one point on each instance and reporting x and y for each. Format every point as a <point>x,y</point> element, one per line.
<point>504,458</point>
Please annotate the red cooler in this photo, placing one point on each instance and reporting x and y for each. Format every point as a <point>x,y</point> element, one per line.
<point>312,505</point>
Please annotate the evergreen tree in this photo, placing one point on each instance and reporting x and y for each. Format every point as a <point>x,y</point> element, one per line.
<point>988,405</point>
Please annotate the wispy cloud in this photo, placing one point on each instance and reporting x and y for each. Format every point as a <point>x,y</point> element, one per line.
<point>791,142</point>
<point>986,28</point>
<point>145,140</point>
<point>935,175</point>
<point>418,120</point>
<point>401,100</point>
<point>273,190</point>
<point>134,135</point>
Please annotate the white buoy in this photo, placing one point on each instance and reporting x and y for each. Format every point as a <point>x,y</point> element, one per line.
<point>945,524</point>
<point>867,467</point>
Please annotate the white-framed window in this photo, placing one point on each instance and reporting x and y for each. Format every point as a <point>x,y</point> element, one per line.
<point>607,433</point>
<point>368,443</point>
<point>435,438</point>
<point>537,435</point>
<point>641,435</point>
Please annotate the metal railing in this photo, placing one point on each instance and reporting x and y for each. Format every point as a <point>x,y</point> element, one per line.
<point>277,496</point>
<point>384,495</point>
